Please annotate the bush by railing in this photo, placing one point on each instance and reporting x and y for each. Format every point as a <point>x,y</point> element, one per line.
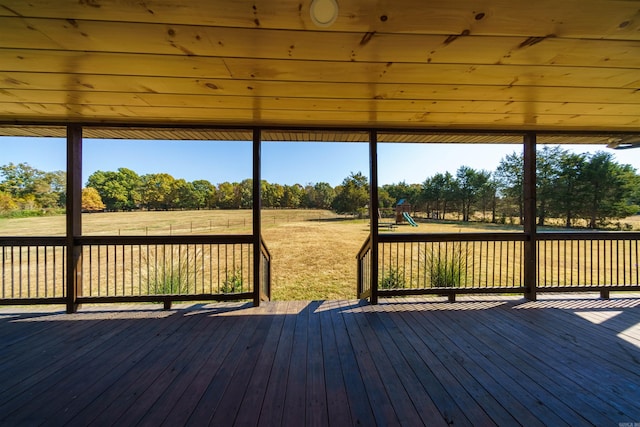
<point>494,262</point>
<point>179,265</point>
<point>141,268</point>
<point>413,262</point>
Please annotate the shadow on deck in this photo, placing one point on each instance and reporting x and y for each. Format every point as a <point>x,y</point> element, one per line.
<point>414,361</point>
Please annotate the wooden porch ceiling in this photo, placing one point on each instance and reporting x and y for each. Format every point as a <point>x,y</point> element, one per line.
<point>447,64</point>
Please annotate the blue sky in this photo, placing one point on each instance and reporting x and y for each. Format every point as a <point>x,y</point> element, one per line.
<point>282,162</point>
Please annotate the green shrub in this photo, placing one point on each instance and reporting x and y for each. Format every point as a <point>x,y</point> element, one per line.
<point>232,283</point>
<point>392,279</point>
<point>446,267</point>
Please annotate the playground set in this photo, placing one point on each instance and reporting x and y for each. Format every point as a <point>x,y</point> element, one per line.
<point>403,213</point>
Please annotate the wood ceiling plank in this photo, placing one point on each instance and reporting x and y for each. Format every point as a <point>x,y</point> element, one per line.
<point>569,18</point>
<point>123,64</point>
<point>312,71</point>
<point>148,115</point>
<point>195,86</point>
<point>504,106</point>
<point>117,37</point>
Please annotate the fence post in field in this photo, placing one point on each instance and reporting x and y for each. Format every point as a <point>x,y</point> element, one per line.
<point>529,190</point>
<point>74,217</point>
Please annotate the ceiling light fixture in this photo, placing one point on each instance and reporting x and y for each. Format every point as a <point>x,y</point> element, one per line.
<point>323,12</point>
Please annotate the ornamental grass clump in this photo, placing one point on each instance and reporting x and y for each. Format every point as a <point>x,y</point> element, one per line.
<point>446,265</point>
<point>173,271</point>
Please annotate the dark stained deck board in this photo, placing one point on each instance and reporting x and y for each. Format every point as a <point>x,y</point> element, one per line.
<point>73,389</point>
<point>425,368</point>
<point>174,379</point>
<point>497,375</point>
<point>160,359</point>
<point>294,411</point>
<point>520,375</point>
<point>247,360</point>
<point>568,371</point>
<point>338,409</point>
<point>272,408</point>
<point>545,367</point>
<point>316,395</point>
<point>455,351</point>
<point>372,333</point>
<point>248,413</point>
<point>408,361</point>
<point>359,404</point>
<point>179,409</point>
<point>586,361</point>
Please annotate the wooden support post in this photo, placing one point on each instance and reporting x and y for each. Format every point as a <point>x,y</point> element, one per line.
<point>529,190</point>
<point>74,216</point>
<point>257,205</point>
<point>373,213</point>
<point>605,294</point>
<point>451,297</point>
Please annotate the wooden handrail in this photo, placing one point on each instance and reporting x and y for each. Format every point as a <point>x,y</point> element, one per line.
<point>366,246</point>
<point>224,239</point>
<point>451,237</point>
<point>32,241</point>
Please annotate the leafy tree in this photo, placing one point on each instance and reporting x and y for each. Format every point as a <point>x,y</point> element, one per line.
<point>7,203</point>
<point>204,194</point>
<point>19,180</point>
<point>608,186</point>
<point>439,193</point>
<point>469,186</point>
<point>385,200</point>
<point>271,194</point>
<point>569,194</point>
<point>510,180</point>
<point>410,192</point>
<point>488,198</point>
<point>32,188</point>
<point>547,174</point>
<point>353,195</point>
<point>49,189</point>
<point>131,183</point>
<point>119,190</point>
<point>156,191</point>
<point>292,197</point>
<point>244,194</point>
<point>318,196</point>
<point>226,196</point>
<point>91,201</point>
<point>183,195</point>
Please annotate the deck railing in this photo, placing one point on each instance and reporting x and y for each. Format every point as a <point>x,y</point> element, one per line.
<point>450,264</point>
<point>364,270</point>
<point>33,269</point>
<point>136,268</point>
<point>265,271</point>
<point>588,261</point>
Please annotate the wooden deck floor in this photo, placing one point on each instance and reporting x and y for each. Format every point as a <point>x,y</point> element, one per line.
<point>479,361</point>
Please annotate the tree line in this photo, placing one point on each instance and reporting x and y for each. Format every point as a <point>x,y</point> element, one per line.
<point>577,188</point>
